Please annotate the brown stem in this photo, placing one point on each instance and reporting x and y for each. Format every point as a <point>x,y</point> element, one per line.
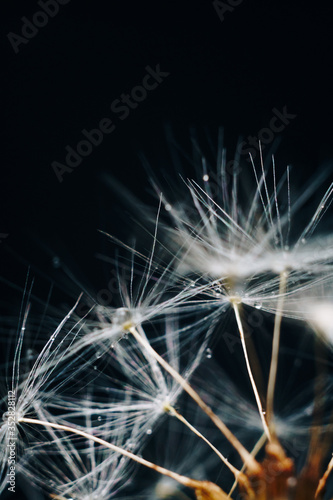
<point>250,462</point>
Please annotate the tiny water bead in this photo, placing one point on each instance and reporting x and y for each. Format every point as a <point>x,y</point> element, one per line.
<point>5,416</point>
<point>9,417</point>
<point>122,318</point>
<point>30,354</point>
<point>56,263</point>
<point>208,353</point>
<point>131,446</point>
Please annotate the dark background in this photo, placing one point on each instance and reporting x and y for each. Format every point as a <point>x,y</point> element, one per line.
<point>227,72</point>
<point>264,55</point>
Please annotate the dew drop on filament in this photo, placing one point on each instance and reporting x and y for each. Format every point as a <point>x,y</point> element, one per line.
<point>121,316</point>
<point>56,262</point>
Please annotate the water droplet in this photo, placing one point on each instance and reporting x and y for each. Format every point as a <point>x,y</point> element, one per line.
<point>208,353</point>
<point>99,418</point>
<point>258,306</point>
<point>95,367</point>
<point>56,262</point>
<point>30,354</point>
<point>122,316</point>
<point>167,207</point>
<point>149,431</point>
<point>205,178</point>
<point>303,240</point>
<point>292,482</point>
<point>5,416</point>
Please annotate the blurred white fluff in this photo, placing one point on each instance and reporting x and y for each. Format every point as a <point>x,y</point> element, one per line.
<point>322,318</point>
<point>241,247</point>
<point>314,305</point>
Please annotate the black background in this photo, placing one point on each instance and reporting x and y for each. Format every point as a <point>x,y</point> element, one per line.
<point>263,55</point>
<point>231,73</point>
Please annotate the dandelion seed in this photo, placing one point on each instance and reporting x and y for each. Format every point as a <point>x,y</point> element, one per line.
<point>30,390</point>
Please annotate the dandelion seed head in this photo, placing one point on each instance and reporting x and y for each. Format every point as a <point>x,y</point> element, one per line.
<point>235,299</point>
<point>12,417</point>
<point>282,262</point>
<point>167,407</point>
<point>123,318</point>
<point>224,231</point>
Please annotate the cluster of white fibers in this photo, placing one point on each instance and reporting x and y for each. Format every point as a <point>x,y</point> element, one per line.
<point>186,372</point>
